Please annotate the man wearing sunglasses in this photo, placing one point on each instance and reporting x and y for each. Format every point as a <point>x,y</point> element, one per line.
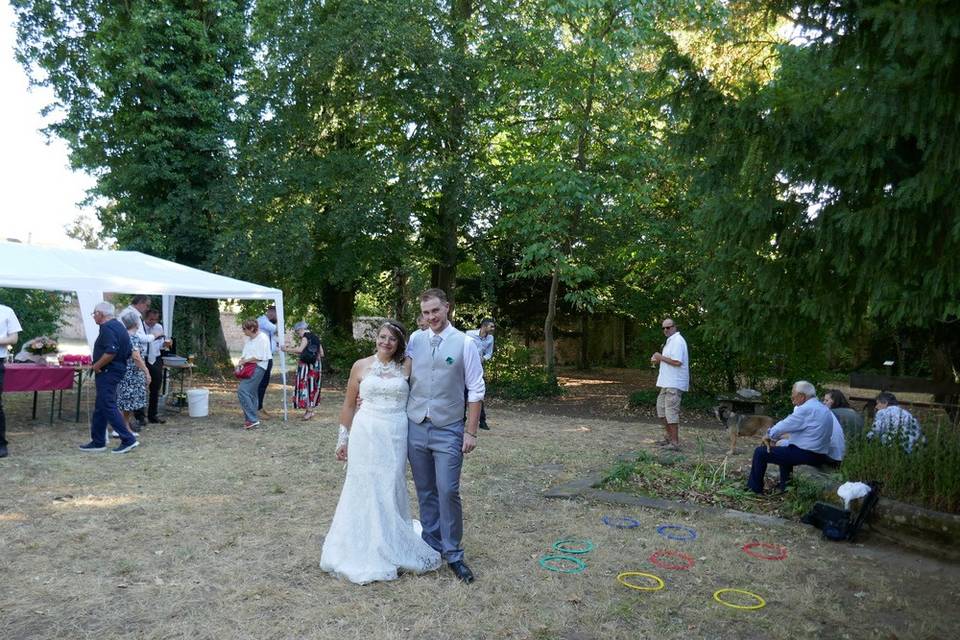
<point>673,380</point>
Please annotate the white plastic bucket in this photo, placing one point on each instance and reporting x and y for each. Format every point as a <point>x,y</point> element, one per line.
<point>198,402</point>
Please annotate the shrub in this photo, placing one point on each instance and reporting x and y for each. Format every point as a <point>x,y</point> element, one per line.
<point>339,353</point>
<point>38,311</point>
<point>928,477</point>
<point>509,374</point>
<point>716,366</point>
<point>693,401</point>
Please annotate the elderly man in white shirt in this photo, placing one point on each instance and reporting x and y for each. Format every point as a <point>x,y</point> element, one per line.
<point>673,380</point>
<point>811,431</point>
<point>483,338</point>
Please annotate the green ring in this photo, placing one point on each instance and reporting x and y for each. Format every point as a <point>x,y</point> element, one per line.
<point>578,564</point>
<point>560,545</point>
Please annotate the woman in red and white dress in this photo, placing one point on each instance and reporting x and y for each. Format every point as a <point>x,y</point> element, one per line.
<point>309,352</point>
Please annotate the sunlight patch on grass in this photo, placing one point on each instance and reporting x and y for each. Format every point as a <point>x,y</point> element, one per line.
<point>103,502</point>
<point>13,517</point>
<point>582,382</point>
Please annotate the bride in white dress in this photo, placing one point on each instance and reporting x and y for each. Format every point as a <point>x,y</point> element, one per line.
<point>372,534</point>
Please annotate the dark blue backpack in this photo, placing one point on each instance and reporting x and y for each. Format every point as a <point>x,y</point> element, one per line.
<point>312,350</point>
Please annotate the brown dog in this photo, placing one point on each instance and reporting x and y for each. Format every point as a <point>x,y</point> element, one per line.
<point>739,424</point>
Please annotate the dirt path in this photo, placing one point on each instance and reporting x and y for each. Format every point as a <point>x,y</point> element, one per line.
<point>207,531</point>
<point>605,393</point>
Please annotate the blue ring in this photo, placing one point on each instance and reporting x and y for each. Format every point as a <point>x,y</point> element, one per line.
<point>662,530</point>
<point>622,522</point>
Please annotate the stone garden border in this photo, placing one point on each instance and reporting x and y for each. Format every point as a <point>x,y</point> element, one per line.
<point>924,530</point>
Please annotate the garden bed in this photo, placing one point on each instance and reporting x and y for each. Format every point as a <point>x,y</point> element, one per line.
<point>708,483</point>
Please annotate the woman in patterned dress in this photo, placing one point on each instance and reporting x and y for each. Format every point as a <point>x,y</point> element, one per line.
<point>132,390</point>
<point>306,392</point>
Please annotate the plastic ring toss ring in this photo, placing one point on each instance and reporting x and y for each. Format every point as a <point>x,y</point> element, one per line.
<point>622,579</point>
<point>665,529</point>
<point>576,564</point>
<point>779,551</point>
<point>579,546</point>
<point>656,558</point>
<point>761,603</point>
<point>622,522</point>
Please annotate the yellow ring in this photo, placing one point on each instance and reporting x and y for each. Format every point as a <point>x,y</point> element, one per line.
<point>621,580</point>
<point>761,603</point>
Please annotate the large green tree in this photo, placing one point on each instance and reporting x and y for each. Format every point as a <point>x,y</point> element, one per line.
<point>585,179</point>
<point>144,94</point>
<point>830,187</point>
<point>362,147</point>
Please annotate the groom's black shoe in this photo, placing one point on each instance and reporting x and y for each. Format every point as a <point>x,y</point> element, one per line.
<point>462,570</point>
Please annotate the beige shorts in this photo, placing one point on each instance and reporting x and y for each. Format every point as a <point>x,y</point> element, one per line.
<point>668,404</point>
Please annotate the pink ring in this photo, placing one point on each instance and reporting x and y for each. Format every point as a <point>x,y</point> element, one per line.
<point>781,551</point>
<point>656,555</point>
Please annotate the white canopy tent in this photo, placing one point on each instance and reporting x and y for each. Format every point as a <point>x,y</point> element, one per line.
<point>91,273</point>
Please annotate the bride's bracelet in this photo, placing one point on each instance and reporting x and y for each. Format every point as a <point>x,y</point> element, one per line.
<point>343,436</point>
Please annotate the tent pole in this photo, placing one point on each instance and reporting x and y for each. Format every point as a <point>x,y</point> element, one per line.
<point>278,303</point>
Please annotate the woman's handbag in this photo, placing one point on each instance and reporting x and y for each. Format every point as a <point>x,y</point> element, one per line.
<point>246,370</point>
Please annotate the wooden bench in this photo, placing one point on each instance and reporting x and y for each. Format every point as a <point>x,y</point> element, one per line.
<point>905,384</point>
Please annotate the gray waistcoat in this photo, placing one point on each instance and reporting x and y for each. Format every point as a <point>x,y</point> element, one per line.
<point>437,382</point>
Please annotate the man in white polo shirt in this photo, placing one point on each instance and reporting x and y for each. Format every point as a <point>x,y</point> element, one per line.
<point>673,380</point>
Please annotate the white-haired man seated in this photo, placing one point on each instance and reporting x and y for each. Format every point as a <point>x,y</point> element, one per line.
<point>809,429</point>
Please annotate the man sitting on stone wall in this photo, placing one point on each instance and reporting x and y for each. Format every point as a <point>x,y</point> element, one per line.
<point>810,430</point>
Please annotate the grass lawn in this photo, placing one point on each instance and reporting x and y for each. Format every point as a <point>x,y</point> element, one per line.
<point>207,531</point>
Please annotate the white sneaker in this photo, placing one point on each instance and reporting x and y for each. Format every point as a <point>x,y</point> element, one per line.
<point>114,434</point>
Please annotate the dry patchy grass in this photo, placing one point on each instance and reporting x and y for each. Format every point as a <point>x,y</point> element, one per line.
<point>207,531</point>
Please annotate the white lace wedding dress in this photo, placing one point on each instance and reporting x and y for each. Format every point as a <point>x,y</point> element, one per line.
<point>372,534</point>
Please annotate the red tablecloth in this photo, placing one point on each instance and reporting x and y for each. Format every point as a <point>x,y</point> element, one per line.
<point>32,377</point>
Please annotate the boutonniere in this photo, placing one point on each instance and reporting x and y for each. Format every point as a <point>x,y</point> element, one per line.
<point>449,359</point>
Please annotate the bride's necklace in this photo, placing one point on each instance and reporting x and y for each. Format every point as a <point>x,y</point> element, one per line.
<point>379,367</point>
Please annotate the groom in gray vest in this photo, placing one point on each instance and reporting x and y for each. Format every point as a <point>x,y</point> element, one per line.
<point>445,362</point>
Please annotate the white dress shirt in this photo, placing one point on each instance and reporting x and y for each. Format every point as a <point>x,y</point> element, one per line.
<point>484,344</point>
<point>154,342</point>
<point>142,329</point>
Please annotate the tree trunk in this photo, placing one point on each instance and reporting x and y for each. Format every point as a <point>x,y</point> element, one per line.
<point>401,300</point>
<point>583,359</point>
<point>622,342</point>
<point>451,213</point>
<point>549,357</point>
<point>198,332</point>
<point>443,275</point>
<point>338,305</point>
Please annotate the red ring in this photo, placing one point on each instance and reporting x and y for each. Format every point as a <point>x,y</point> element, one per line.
<point>779,548</point>
<point>655,559</point>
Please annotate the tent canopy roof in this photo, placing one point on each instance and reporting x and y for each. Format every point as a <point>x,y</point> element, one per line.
<point>32,267</point>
